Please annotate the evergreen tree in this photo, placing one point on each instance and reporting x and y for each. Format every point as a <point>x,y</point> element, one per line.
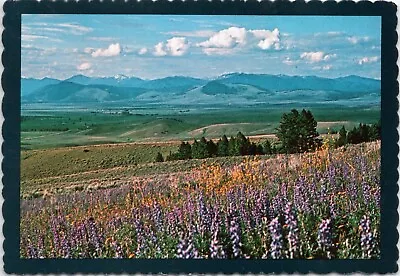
<point>211,149</point>
<point>342,140</point>
<point>375,131</point>
<point>364,132</point>
<point>185,151</point>
<point>252,149</point>
<point>267,147</point>
<point>259,150</point>
<point>298,132</point>
<point>242,144</point>
<point>159,157</point>
<point>222,146</point>
<point>200,150</point>
<point>232,148</point>
<point>354,137</point>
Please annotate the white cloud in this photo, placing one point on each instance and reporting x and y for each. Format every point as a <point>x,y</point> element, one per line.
<point>68,28</point>
<point>88,50</point>
<point>289,61</point>
<point>364,60</point>
<point>325,67</point>
<point>227,38</point>
<point>356,40</point>
<point>111,51</point>
<point>31,37</point>
<point>159,50</point>
<point>312,57</point>
<point>199,33</point>
<point>101,38</point>
<point>75,28</point>
<point>329,57</point>
<point>176,46</point>
<point>235,37</point>
<point>218,51</point>
<point>84,66</point>
<point>268,39</point>
<point>142,51</point>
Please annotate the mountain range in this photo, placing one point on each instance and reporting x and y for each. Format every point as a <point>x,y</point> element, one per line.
<point>233,88</point>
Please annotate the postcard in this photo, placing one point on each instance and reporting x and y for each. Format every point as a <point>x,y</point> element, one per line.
<point>173,137</point>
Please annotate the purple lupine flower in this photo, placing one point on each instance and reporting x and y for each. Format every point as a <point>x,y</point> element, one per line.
<point>367,239</point>
<point>32,251</point>
<point>95,237</point>
<point>140,238</point>
<point>186,249</point>
<point>332,208</point>
<point>40,247</point>
<point>234,232</point>
<point>366,192</point>
<point>377,197</point>
<point>56,236</point>
<point>277,204</point>
<point>66,248</point>
<point>276,235</point>
<point>157,216</point>
<point>293,230</point>
<point>301,200</point>
<point>325,237</point>
<point>352,188</point>
<point>216,250</point>
<point>119,253</point>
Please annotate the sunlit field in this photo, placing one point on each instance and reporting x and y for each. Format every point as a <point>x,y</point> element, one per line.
<point>324,204</point>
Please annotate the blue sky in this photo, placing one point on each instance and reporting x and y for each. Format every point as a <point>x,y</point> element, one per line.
<point>155,46</point>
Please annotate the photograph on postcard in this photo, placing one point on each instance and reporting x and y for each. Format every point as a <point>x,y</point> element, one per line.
<point>199,136</point>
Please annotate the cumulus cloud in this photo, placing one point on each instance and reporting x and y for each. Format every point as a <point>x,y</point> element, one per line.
<point>317,56</point>
<point>364,60</point>
<point>84,66</point>
<point>142,51</point>
<point>268,38</point>
<point>111,51</point>
<point>176,46</point>
<point>227,38</point>
<point>159,50</point>
<point>327,67</point>
<point>235,37</point>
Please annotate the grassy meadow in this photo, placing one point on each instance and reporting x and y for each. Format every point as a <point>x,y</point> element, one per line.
<point>90,187</point>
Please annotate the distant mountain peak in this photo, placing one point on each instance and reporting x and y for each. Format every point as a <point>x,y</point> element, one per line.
<point>120,77</point>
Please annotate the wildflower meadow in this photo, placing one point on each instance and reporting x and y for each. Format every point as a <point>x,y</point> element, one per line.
<point>319,205</point>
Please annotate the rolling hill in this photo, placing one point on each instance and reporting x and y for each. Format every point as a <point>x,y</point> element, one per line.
<point>234,88</point>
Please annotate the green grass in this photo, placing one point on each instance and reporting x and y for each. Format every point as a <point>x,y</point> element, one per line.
<point>58,146</point>
<point>64,161</point>
<point>55,128</point>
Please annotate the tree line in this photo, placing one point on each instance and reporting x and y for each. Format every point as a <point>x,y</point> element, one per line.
<point>297,133</point>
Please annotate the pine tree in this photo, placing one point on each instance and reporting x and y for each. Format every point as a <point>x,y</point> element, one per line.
<point>267,147</point>
<point>222,146</point>
<point>342,140</point>
<point>159,157</point>
<point>232,148</point>
<point>242,144</point>
<point>298,132</point>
